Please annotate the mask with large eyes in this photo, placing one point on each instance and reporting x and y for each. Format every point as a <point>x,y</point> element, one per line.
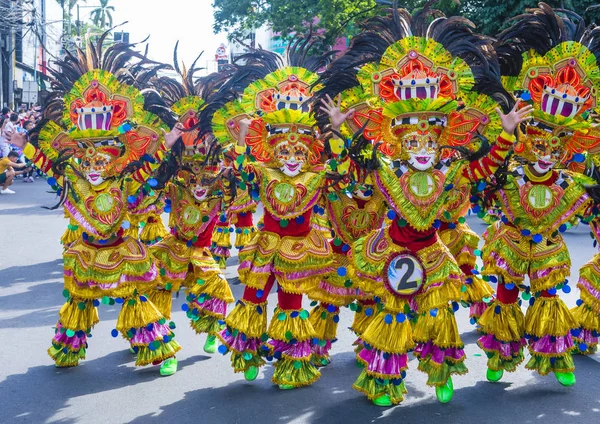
<point>200,186</point>
<point>546,155</point>
<point>422,150</point>
<point>291,157</point>
<point>546,148</point>
<point>94,168</point>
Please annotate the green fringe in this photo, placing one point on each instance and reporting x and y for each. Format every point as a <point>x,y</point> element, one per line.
<point>69,359</point>
<point>496,362</point>
<point>295,373</point>
<point>167,350</point>
<point>240,364</point>
<point>439,375</point>
<point>374,387</point>
<point>543,366</point>
<point>206,324</point>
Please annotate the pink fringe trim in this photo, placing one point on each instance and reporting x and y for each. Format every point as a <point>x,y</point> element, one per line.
<point>240,343</point>
<point>506,350</point>
<point>144,336</point>
<point>439,355</point>
<point>297,350</point>
<point>384,363</point>
<point>545,345</point>
<point>74,343</point>
<point>214,305</point>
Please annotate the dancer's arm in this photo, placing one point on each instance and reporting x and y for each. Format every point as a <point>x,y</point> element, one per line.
<point>486,166</point>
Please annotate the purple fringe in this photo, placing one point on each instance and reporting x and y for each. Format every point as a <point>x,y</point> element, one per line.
<point>145,336</point>
<point>297,350</point>
<point>384,363</point>
<point>240,343</point>
<point>507,350</point>
<point>214,305</point>
<point>439,355</point>
<point>545,345</point>
<point>74,343</point>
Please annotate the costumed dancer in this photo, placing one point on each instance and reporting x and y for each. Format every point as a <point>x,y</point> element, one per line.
<point>559,76</point>
<point>97,128</point>
<point>198,192</point>
<point>354,209</point>
<point>408,106</point>
<point>280,152</point>
<point>196,195</point>
<point>587,311</point>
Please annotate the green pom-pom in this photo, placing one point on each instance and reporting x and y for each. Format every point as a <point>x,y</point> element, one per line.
<point>284,223</point>
<point>200,281</point>
<point>81,306</point>
<point>168,286</point>
<point>288,335</point>
<point>281,316</point>
<point>297,364</point>
<point>304,315</point>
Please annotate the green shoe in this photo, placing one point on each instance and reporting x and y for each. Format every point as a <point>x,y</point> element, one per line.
<point>444,393</point>
<point>251,373</point>
<point>168,367</point>
<point>567,379</point>
<point>494,376</point>
<point>210,346</point>
<point>286,387</point>
<point>383,401</point>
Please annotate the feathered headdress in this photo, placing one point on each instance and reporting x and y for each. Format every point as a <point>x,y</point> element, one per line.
<point>276,95</point>
<point>551,61</point>
<point>93,111</point>
<point>412,71</point>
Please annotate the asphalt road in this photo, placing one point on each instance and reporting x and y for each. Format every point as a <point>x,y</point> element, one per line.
<point>108,388</point>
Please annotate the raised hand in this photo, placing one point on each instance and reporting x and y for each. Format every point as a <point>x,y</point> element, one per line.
<point>515,117</point>
<point>18,139</point>
<point>244,125</point>
<point>172,136</point>
<point>332,109</point>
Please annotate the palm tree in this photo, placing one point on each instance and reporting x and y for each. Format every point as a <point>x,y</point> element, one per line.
<point>101,16</point>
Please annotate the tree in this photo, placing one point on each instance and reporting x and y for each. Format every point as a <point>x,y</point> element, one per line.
<point>101,16</point>
<point>339,17</point>
<point>493,17</point>
<point>237,17</point>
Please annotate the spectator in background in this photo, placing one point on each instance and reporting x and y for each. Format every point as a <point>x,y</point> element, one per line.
<point>28,173</point>
<point>7,171</point>
<point>9,127</point>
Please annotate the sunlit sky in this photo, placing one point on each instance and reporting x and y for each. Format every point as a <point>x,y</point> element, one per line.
<point>166,21</point>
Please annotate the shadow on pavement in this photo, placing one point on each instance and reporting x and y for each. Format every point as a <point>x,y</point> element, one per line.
<point>261,402</point>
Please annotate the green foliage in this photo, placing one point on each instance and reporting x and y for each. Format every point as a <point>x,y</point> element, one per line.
<point>340,17</point>
<point>491,17</point>
<point>101,16</point>
<point>335,17</point>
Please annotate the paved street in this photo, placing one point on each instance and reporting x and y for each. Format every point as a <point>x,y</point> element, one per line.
<point>107,387</point>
